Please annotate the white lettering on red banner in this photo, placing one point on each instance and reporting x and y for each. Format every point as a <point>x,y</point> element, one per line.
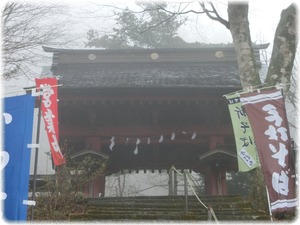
<point>266,113</point>
<point>50,115</point>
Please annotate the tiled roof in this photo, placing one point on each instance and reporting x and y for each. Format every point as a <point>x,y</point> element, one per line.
<point>147,68</point>
<point>149,75</point>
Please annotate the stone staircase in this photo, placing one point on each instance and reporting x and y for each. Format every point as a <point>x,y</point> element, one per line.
<point>169,208</point>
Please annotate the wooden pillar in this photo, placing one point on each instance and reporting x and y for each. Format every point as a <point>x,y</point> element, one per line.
<point>215,177</point>
<point>215,180</point>
<point>99,186</point>
<point>219,183</point>
<point>223,180</point>
<point>96,187</point>
<point>172,183</point>
<point>211,186</point>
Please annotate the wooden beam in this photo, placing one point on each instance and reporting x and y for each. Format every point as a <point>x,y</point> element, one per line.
<point>123,131</point>
<point>66,99</point>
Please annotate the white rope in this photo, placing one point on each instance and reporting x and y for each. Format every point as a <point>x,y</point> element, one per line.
<point>195,182</point>
<point>256,88</point>
<point>173,168</point>
<point>214,215</point>
<point>194,192</point>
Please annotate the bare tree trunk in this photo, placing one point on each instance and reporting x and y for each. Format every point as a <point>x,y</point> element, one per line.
<point>284,49</point>
<point>239,28</point>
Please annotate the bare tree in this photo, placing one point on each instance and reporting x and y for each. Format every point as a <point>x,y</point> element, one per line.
<point>25,28</point>
<point>284,46</point>
<point>292,98</point>
<point>121,185</point>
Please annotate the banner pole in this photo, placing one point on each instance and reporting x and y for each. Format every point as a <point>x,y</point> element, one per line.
<point>269,203</point>
<point>38,104</point>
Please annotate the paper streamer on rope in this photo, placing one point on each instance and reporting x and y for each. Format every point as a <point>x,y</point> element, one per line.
<point>136,150</point>
<point>194,136</point>
<point>173,136</point>
<point>161,139</point>
<point>112,143</point>
<point>138,141</point>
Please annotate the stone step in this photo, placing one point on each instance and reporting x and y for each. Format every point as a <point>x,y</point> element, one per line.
<point>155,205</point>
<point>205,198</point>
<point>166,217</point>
<point>165,199</point>
<point>244,211</point>
<point>164,208</point>
<point>170,209</point>
<point>130,217</point>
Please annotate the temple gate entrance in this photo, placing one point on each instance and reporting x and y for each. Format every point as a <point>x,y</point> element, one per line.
<point>149,114</point>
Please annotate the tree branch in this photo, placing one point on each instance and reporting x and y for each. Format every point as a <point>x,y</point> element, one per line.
<point>213,14</point>
<point>25,28</point>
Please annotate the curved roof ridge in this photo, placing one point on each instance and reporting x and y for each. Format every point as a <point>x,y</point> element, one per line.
<point>85,152</point>
<point>53,49</point>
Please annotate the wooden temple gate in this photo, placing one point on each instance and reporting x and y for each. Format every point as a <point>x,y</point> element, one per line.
<point>150,109</point>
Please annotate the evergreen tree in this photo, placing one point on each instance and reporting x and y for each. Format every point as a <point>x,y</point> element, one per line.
<point>154,28</point>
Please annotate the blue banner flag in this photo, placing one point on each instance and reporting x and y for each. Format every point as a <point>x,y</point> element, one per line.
<point>15,157</point>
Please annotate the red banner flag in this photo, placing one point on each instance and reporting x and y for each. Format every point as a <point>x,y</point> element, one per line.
<point>267,116</point>
<point>49,113</point>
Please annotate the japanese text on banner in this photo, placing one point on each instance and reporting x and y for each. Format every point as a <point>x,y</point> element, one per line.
<point>49,111</point>
<point>245,144</point>
<point>266,112</point>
